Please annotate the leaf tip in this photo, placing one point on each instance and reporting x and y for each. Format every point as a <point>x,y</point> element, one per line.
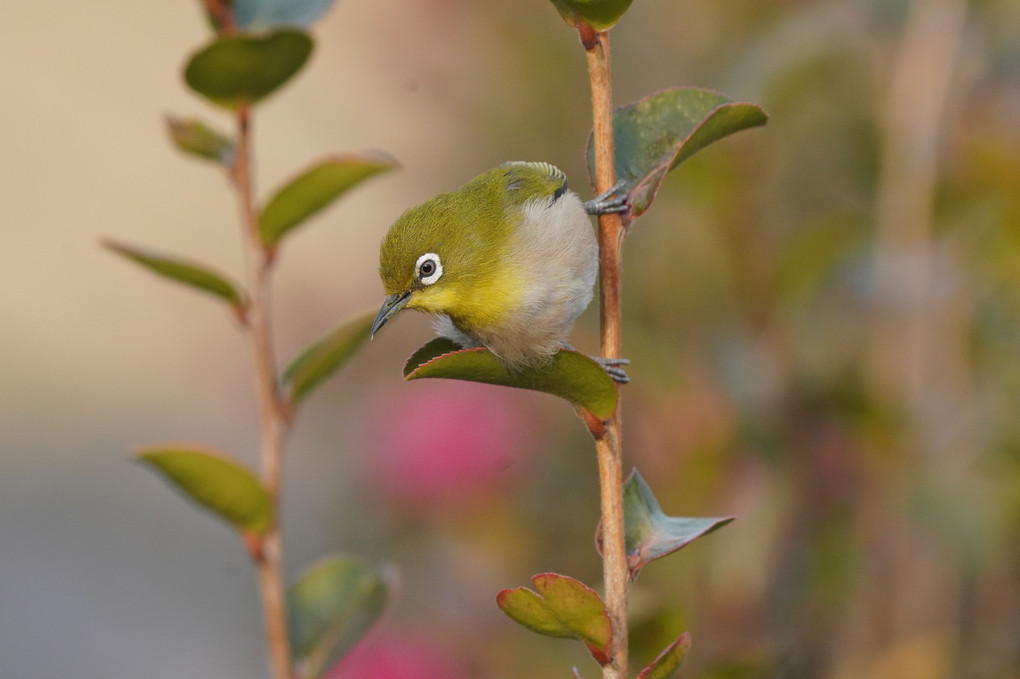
<point>107,243</point>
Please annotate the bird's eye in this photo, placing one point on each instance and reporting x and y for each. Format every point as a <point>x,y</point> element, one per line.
<point>428,268</point>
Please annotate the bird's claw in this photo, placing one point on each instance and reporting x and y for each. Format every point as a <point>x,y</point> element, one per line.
<point>610,365</point>
<point>613,369</point>
<point>608,202</point>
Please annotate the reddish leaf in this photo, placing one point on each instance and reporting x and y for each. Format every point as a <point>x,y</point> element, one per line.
<point>570,374</point>
<point>655,134</point>
<point>669,660</point>
<point>562,607</point>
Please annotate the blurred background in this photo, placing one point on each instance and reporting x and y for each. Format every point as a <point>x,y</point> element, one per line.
<point>823,317</point>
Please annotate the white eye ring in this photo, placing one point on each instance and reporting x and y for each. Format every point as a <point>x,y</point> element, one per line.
<point>428,268</point>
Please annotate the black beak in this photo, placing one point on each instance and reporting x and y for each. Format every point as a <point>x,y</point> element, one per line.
<point>391,305</point>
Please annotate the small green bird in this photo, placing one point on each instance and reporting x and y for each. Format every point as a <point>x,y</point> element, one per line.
<point>507,262</point>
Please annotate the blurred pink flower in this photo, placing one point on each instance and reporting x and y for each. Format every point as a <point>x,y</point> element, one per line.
<point>448,442</point>
<point>390,657</point>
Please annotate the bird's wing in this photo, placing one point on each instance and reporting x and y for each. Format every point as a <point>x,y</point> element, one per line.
<point>528,180</point>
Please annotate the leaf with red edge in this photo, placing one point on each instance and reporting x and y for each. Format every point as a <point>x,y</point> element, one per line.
<point>569,374</point>
<point>561,607</point>
<point>655,134</point>
<point>669,660</point>
<point>649,533</point>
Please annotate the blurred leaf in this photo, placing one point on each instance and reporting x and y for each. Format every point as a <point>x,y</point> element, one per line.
<point>194,137</point>
<point>655,134</point>
<point>331,606</point>
<point>818,255</point>
<point>650,534</point>
<point>563,608</point>
<point>320,360</point>
<point>182,271</point>
<point>669,660</point>
<point>750,664</point>
<point>239,69</point>
<point>215,482</point>
<point>599,14</point>
<point>316,188</point>
<point>570,374</point>
<point>259,15</point>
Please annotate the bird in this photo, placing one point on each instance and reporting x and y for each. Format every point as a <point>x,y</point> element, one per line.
<point>507,262</point>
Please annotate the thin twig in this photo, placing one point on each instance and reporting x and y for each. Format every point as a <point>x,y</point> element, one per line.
<point>273,426</point>
<point>608,441</point>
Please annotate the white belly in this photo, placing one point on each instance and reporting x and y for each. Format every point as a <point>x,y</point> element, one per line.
<point>556,252</point>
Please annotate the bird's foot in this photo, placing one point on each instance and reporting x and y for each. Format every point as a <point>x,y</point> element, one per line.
<point>610,365</point>
<point>608,202</point>
<point>613,369</point>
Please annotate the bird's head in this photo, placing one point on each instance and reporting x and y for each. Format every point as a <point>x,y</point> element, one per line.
<point>447,255</point>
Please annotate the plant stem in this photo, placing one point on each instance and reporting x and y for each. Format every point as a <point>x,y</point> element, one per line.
<point>268,554</point>
<point>608,442</point>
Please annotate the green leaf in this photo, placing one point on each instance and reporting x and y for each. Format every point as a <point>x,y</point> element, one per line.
<point>655,134</point>
<point>650,534</point>
<point>669,660</point>
<point>263,14</point>
<point>570,374</point>
<point>320,360</point>
<point>189,273</point>
<point>331,606</point>
<point>194,137</point>
<point>316,188</point>
<point>599,14</point>
<point>562,607</point>
<point>243,68</point>
<point>215,482</point>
